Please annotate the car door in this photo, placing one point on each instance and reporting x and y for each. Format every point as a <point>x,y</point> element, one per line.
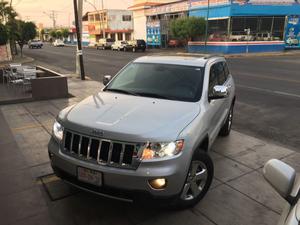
<point>216,107</point>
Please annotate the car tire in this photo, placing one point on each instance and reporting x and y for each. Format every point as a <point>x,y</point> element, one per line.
<point>125,49</point>
<point>198,181</point>
<point>226,128</point>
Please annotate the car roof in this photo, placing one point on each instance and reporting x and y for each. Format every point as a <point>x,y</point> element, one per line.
<point>178,59</point>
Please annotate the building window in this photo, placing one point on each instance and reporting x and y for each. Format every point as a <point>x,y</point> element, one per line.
<point>91,18</point>
<point>120,36</point>
<point>126,17</point>
<point>128,36</point>
<point>97,17</point>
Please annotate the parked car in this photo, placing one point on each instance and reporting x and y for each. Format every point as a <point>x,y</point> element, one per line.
<point>121,46</point>
<point>283,179</point>
<point>138,45</point>
<point>149,131</point>
<point>58,43</point>
<point>173,43</point>
<point>35,44</point>
<point>105,43</point>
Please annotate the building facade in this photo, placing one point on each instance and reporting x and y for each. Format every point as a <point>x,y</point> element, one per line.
<point>139,9</point>
<point>110,23</point>
<point>236,26</point>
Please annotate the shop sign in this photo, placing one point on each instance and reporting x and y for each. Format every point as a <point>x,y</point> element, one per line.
<point>204,3</point>
<point>265,2</point>
<point>168,8</point>
<point>292,32</point>
<point>153,33</point>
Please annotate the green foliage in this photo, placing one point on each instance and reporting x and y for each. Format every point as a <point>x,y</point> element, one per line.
<point>65,33</point>
<point>25,32</point>
<point>59,34</point>
<point>3,35</point>
<point>188,28</point>
<point>53,34</point>
<point>6,11</point>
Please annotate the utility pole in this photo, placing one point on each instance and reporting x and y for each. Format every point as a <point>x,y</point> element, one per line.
<point>79,56</point>
<point>52,15</point>
<point>206,28</point>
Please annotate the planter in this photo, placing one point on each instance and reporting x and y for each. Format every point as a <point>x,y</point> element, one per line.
<point>49,85</point>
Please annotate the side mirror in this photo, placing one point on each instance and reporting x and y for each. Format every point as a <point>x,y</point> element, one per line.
<point>219,92</point>
<point>281,177</point>
<point>106,79</point>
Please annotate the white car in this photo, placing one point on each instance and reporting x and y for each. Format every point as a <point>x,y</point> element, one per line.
<point>58,43</point>
<point>284,180</point>
<point>121,45</point>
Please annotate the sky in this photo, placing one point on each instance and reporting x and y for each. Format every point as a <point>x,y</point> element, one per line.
<point>38,10</point>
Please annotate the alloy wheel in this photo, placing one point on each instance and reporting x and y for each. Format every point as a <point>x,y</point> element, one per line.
<point>196,181</point>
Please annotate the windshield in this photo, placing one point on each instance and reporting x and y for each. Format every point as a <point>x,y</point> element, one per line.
<point>173,82</point>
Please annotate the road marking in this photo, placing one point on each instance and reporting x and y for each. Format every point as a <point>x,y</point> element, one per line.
<point>268,77</point>
<point>269,91</point>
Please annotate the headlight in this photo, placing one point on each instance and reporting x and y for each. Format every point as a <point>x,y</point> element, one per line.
<point>161,150</point>
<point>58,131</point>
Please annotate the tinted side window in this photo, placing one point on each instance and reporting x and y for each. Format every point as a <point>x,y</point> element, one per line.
<point>221,73</point>
<point>226,69</point>
<point>213,78</point>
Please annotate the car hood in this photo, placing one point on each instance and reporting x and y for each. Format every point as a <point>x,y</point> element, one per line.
<point>129,118</point>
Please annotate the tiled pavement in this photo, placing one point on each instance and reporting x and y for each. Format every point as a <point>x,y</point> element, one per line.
<point>30,194</point>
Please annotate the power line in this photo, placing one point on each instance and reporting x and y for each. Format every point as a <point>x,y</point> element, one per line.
<point>53,16</point>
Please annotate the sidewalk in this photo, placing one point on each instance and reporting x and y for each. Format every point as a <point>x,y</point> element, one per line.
<point>30,194</point>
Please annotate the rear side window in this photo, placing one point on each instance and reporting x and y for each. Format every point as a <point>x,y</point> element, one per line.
<point>226,69</point>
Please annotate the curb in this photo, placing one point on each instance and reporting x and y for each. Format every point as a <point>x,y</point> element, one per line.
<point>25,59</point>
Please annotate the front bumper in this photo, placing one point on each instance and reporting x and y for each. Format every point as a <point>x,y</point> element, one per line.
<point>122,181</point>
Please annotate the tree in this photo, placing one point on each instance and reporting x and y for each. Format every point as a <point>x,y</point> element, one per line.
<point>59,34</point>
<point>42,33</point>
<point>6,12</point>
<point>3,35</point>
<point>188,28</point>
<point>53,34</point>
<point>25,32</point>
<point>65,33</point>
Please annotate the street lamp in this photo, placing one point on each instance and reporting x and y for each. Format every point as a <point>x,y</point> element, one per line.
<point>101,22</point>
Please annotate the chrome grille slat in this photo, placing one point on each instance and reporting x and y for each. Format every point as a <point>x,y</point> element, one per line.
<point>98,152</point>
<point>79,145</point>
<point>92,149</point>
<point>111,145</point>
<point>122,154</point>
<point>71,145</point>
<point>89,148</point>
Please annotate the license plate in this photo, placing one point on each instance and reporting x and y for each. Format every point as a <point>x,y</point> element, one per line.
<point>89,176</point>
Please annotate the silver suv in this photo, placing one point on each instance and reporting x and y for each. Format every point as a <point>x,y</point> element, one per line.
<point>149,131</point>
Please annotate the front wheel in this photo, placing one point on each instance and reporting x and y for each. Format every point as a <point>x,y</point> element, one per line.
<point>198,181</point>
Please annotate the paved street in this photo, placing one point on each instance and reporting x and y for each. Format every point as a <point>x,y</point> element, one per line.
<point>268,88</point>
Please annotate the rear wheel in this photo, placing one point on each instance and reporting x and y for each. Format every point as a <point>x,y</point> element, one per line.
<point>198,181</point>
<point>225,130</point>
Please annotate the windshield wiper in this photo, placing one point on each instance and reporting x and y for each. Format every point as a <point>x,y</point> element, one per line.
<point>153,95</point>
<point>121,91</point>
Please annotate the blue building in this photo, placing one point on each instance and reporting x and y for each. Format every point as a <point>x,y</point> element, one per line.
<point>236,26</point>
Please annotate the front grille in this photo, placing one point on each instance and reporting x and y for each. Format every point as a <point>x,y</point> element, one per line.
<point>101,151</point>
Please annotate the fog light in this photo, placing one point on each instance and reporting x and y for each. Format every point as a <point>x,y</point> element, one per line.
<point>159,183</point>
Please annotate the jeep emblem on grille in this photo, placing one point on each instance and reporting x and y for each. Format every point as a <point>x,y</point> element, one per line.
<point>97,132</point>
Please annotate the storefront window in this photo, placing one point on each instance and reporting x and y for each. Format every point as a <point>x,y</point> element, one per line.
<point>218,30</point>
<point>261,28</point>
